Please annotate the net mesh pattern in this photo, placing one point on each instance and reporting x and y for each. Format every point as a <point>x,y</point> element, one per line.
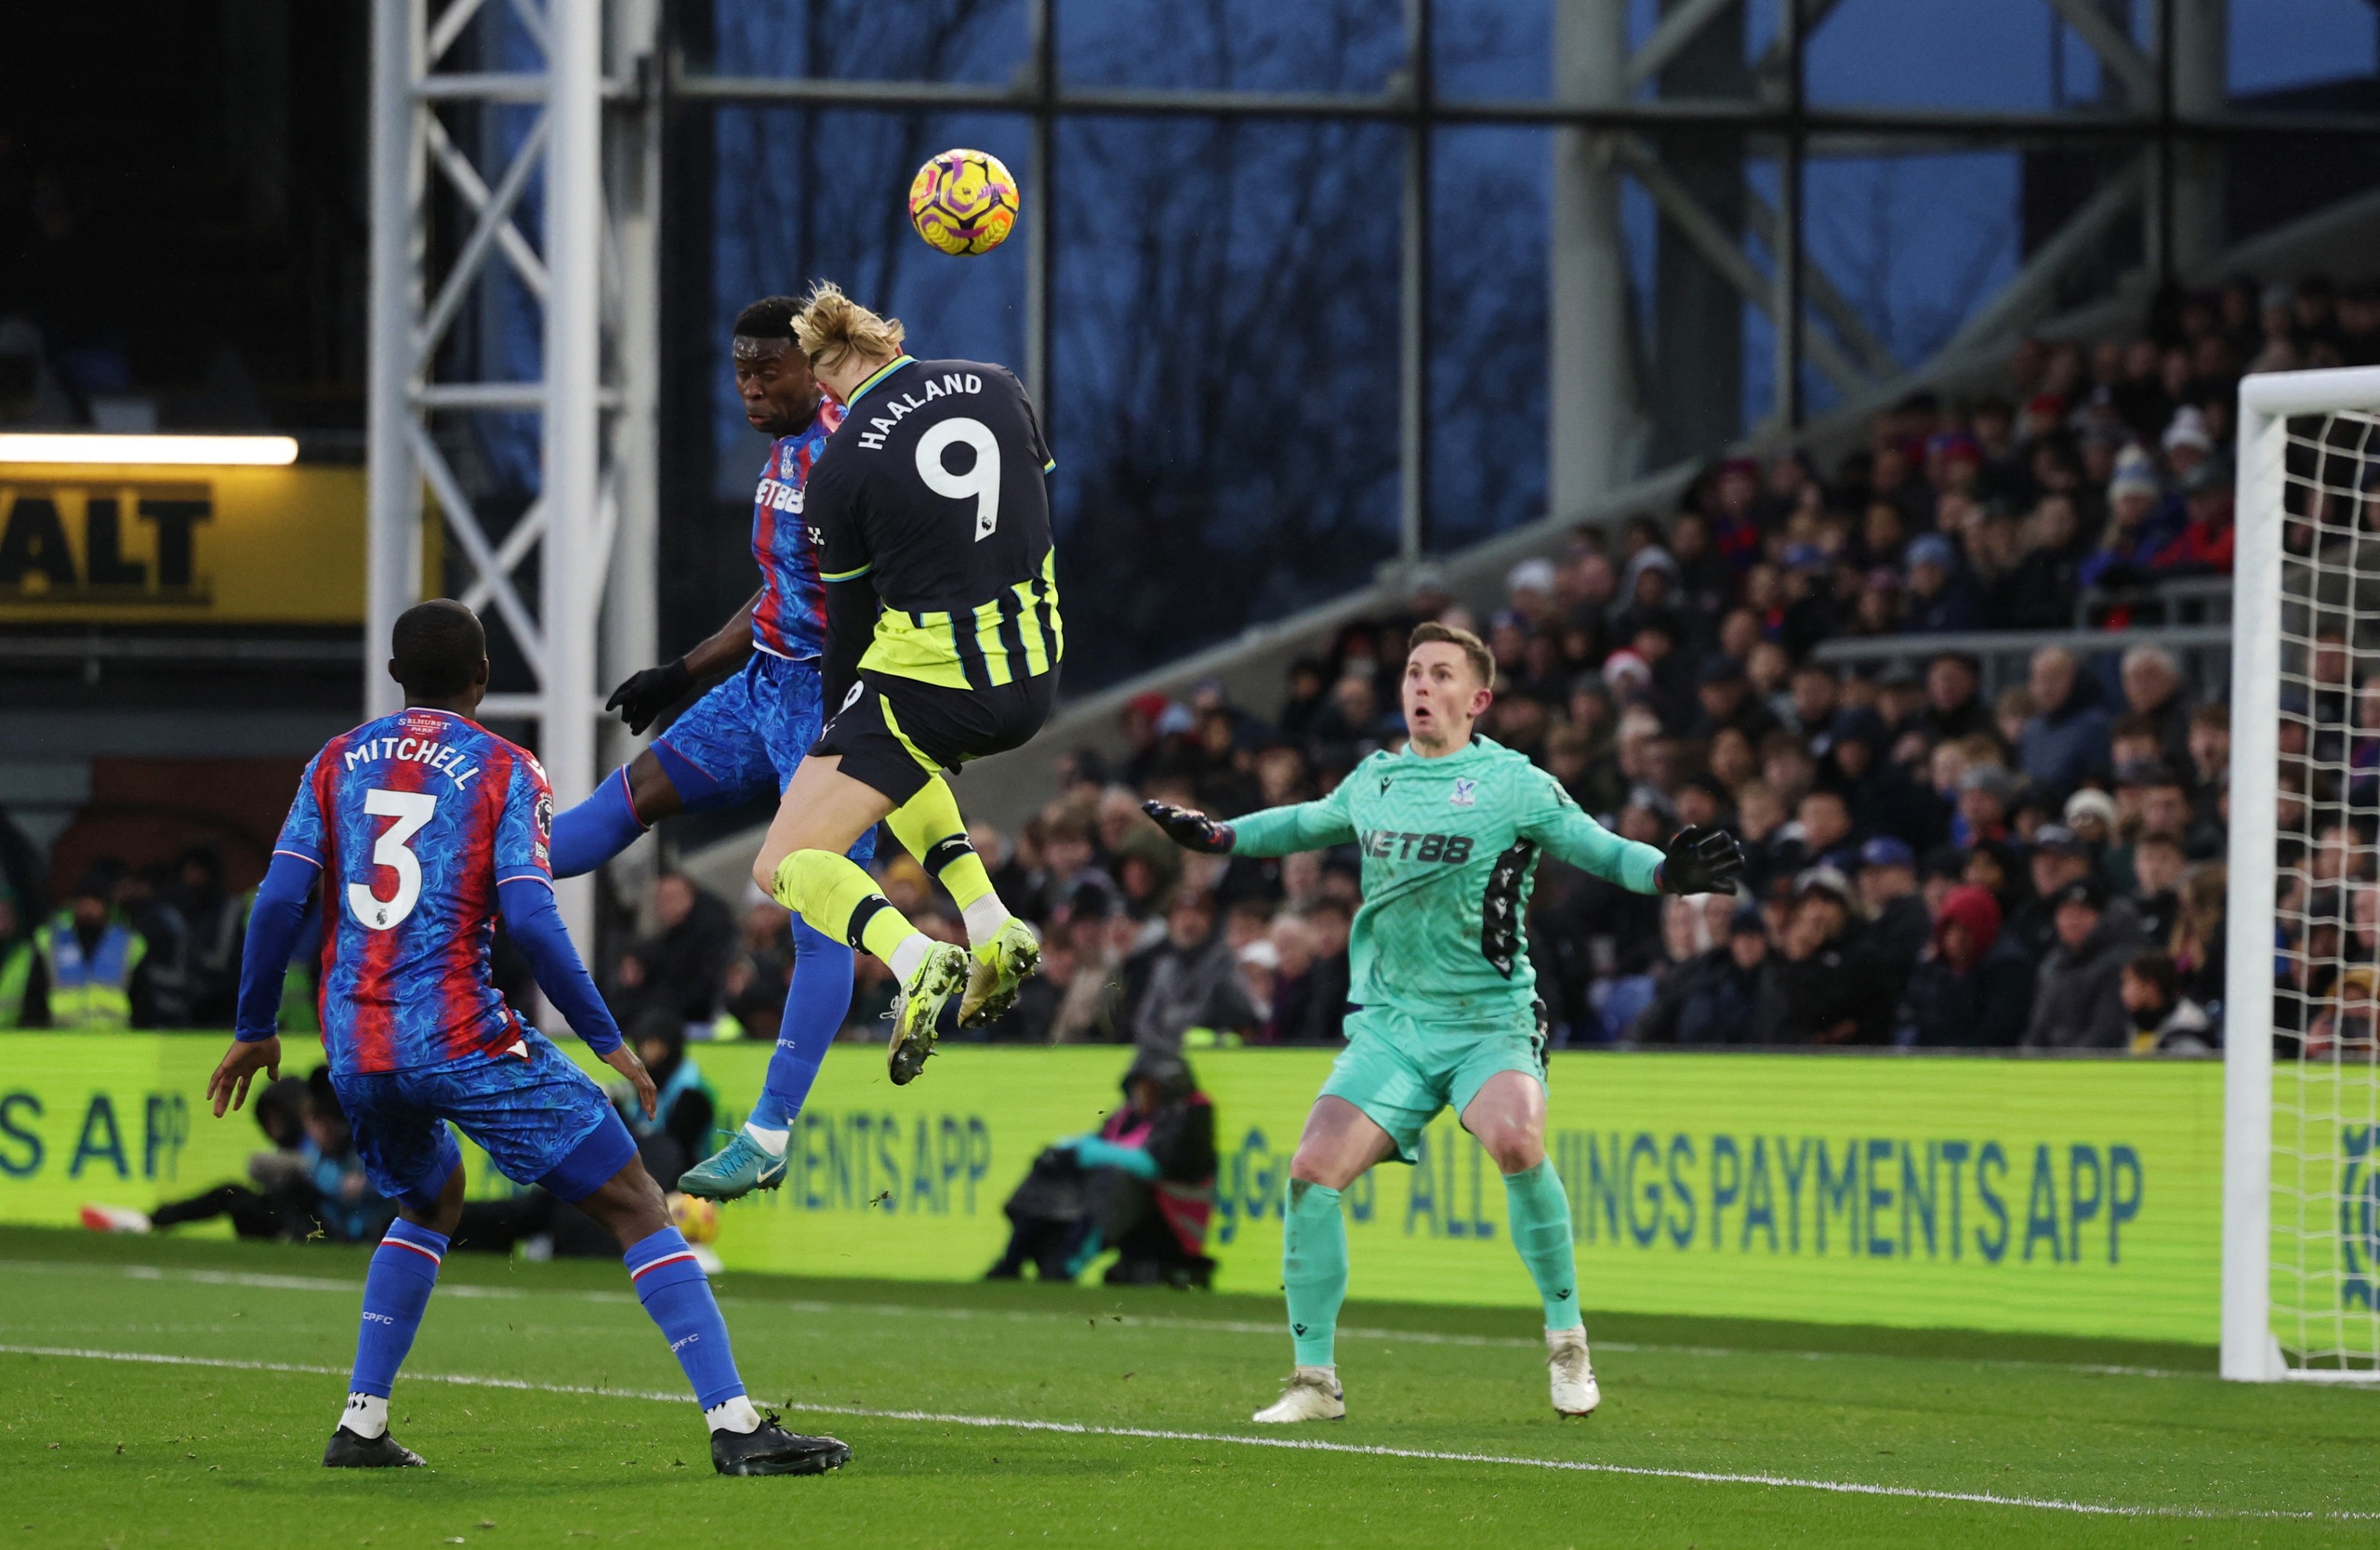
<point>2326,1100</point>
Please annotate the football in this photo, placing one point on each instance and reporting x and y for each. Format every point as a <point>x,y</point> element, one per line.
<point>696,1217</point>
<point>963,202</point>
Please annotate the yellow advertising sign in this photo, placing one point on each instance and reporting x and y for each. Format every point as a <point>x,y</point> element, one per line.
<point>155,545</point>
<point>2078,1198</point>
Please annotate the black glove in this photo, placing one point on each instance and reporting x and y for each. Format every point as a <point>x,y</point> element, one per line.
<point>648,693</point>
<point>1700,860</point>
<point>1192,831</point>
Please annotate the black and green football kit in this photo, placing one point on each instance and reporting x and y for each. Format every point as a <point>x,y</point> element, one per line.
<point>1439,973</point>
<point>929,509</point>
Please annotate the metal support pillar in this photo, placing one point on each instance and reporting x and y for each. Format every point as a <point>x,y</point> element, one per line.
<point>1696,394</point>
<point>1040,200</point>
<point>398,161</point>
<point>1590,407</point>
<point>572,570</point>
<point>439,318</point>
<point>2198,75</point>
<point>1413,298</point>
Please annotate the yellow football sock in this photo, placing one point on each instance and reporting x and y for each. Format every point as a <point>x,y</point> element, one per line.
<point>835,895</point>
<point>928,826</point>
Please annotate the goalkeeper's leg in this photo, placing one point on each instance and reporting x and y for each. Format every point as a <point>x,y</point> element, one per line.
<point>1340,1143</point>
<point>1508,1116</point>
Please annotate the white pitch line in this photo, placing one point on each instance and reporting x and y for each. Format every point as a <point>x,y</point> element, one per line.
<point>1305,1445</point>
<point>1020,1315</point>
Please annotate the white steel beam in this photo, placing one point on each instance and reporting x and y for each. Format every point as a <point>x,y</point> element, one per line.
<point>573,429</point>
<point>393,573</point>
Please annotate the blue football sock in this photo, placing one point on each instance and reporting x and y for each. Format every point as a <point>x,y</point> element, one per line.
<point>596,829</point>
<point>396,1289</point>
<point>677,1295</point>
<point>814,1007</point>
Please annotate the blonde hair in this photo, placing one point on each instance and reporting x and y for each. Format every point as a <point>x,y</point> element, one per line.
<point>1474,651</point>
<point>832,326</point>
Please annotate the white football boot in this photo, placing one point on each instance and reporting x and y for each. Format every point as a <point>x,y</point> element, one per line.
<point>1313,1395</point>
<point>1575,1390</point>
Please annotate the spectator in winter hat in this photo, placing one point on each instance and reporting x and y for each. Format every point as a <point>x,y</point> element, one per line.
<point>1975,988</point>
<point>1888,889</point>
<point>2186,443</point>
<point>1942,598</point>
<point>2135,531</point>
<point>2205,543</point>
<point>2077,1002</point>
<point>1528,587</point>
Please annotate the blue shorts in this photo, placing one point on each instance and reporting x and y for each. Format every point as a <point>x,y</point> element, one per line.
<point>748,735</point>
<point>540,1120</point>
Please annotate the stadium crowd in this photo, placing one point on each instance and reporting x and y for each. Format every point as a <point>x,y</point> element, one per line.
<point>1928,866</point>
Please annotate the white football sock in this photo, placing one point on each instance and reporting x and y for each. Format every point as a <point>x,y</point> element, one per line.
<point>769,1141</point>
<point>908,955</point>
<point>733,1415</point>
<point>985,918</point>
<point>366,1415</point>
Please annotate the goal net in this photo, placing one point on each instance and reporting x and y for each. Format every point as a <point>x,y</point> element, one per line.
<point>2301,1288</point>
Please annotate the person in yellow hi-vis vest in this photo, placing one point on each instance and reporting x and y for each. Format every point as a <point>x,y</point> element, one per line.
<point>92,955</point>
<point>24,979</point>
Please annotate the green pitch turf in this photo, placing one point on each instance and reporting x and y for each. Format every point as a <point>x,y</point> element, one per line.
<point>1087,1417</point>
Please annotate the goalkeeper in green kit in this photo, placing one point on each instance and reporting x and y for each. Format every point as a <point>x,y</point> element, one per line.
<point>1444,1010</point>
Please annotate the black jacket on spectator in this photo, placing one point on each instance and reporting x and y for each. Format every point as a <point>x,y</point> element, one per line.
<point>1187,988</point>
<point>2077,999</point>
<point>684,966</point>
<point>1846,980</point>
<point>1709,999</point>
<point>1901,931</point>
<point>2042,590</point>
<point>1984,1008</point>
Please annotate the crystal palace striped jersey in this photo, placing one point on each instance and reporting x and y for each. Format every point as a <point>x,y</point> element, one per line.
<point>790,619</point>
<point>414,818</point>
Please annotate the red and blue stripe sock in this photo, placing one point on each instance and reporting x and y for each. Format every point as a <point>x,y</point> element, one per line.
<point>677,1295</point>
<point>396,1291</point>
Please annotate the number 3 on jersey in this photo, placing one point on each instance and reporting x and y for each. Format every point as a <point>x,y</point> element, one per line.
<point>411,809</point>
<point>981,482</point>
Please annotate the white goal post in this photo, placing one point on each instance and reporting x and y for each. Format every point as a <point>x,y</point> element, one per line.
<point>2301,1207</point>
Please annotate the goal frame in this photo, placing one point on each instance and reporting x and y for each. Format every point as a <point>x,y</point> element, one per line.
<point>2250,1351</point>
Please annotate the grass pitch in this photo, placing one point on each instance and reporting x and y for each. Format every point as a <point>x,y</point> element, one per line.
<point>164,1392</point>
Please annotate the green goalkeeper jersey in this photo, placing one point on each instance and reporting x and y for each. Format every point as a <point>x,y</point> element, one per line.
<point>1449,849</point>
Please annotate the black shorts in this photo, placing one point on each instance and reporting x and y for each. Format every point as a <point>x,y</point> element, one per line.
<point>894,734</point>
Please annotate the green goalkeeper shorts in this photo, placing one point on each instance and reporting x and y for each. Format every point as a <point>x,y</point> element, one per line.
<point>1401,1070</point>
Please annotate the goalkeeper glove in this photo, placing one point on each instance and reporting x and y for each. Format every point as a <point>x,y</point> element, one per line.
<point>1700,860</point>
<point>646,694</point>
<point>1192,831</point>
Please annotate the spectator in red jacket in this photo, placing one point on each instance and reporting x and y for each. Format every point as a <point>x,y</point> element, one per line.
<point>2203,547</point>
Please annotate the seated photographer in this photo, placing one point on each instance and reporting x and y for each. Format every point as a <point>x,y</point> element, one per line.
<point>1142,1184</point>
<point>280,1204</point>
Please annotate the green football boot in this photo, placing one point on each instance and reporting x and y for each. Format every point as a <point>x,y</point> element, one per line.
<point>942,974</point>
<point>739,1167</point>
<point>994,971</point>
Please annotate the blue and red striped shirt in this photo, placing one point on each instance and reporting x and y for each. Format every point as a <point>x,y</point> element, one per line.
<point>415,819</point>
<point>791,619</point>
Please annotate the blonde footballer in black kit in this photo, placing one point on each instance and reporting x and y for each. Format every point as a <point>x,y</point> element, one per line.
<point>931,511</point>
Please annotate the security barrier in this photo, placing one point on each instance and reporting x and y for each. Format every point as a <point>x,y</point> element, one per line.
<point>2068,1196</point>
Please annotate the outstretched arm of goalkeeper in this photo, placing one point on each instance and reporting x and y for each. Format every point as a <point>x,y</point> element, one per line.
<point>1306,825</point>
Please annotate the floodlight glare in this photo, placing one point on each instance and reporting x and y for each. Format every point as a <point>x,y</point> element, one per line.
<point>126,451</point>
